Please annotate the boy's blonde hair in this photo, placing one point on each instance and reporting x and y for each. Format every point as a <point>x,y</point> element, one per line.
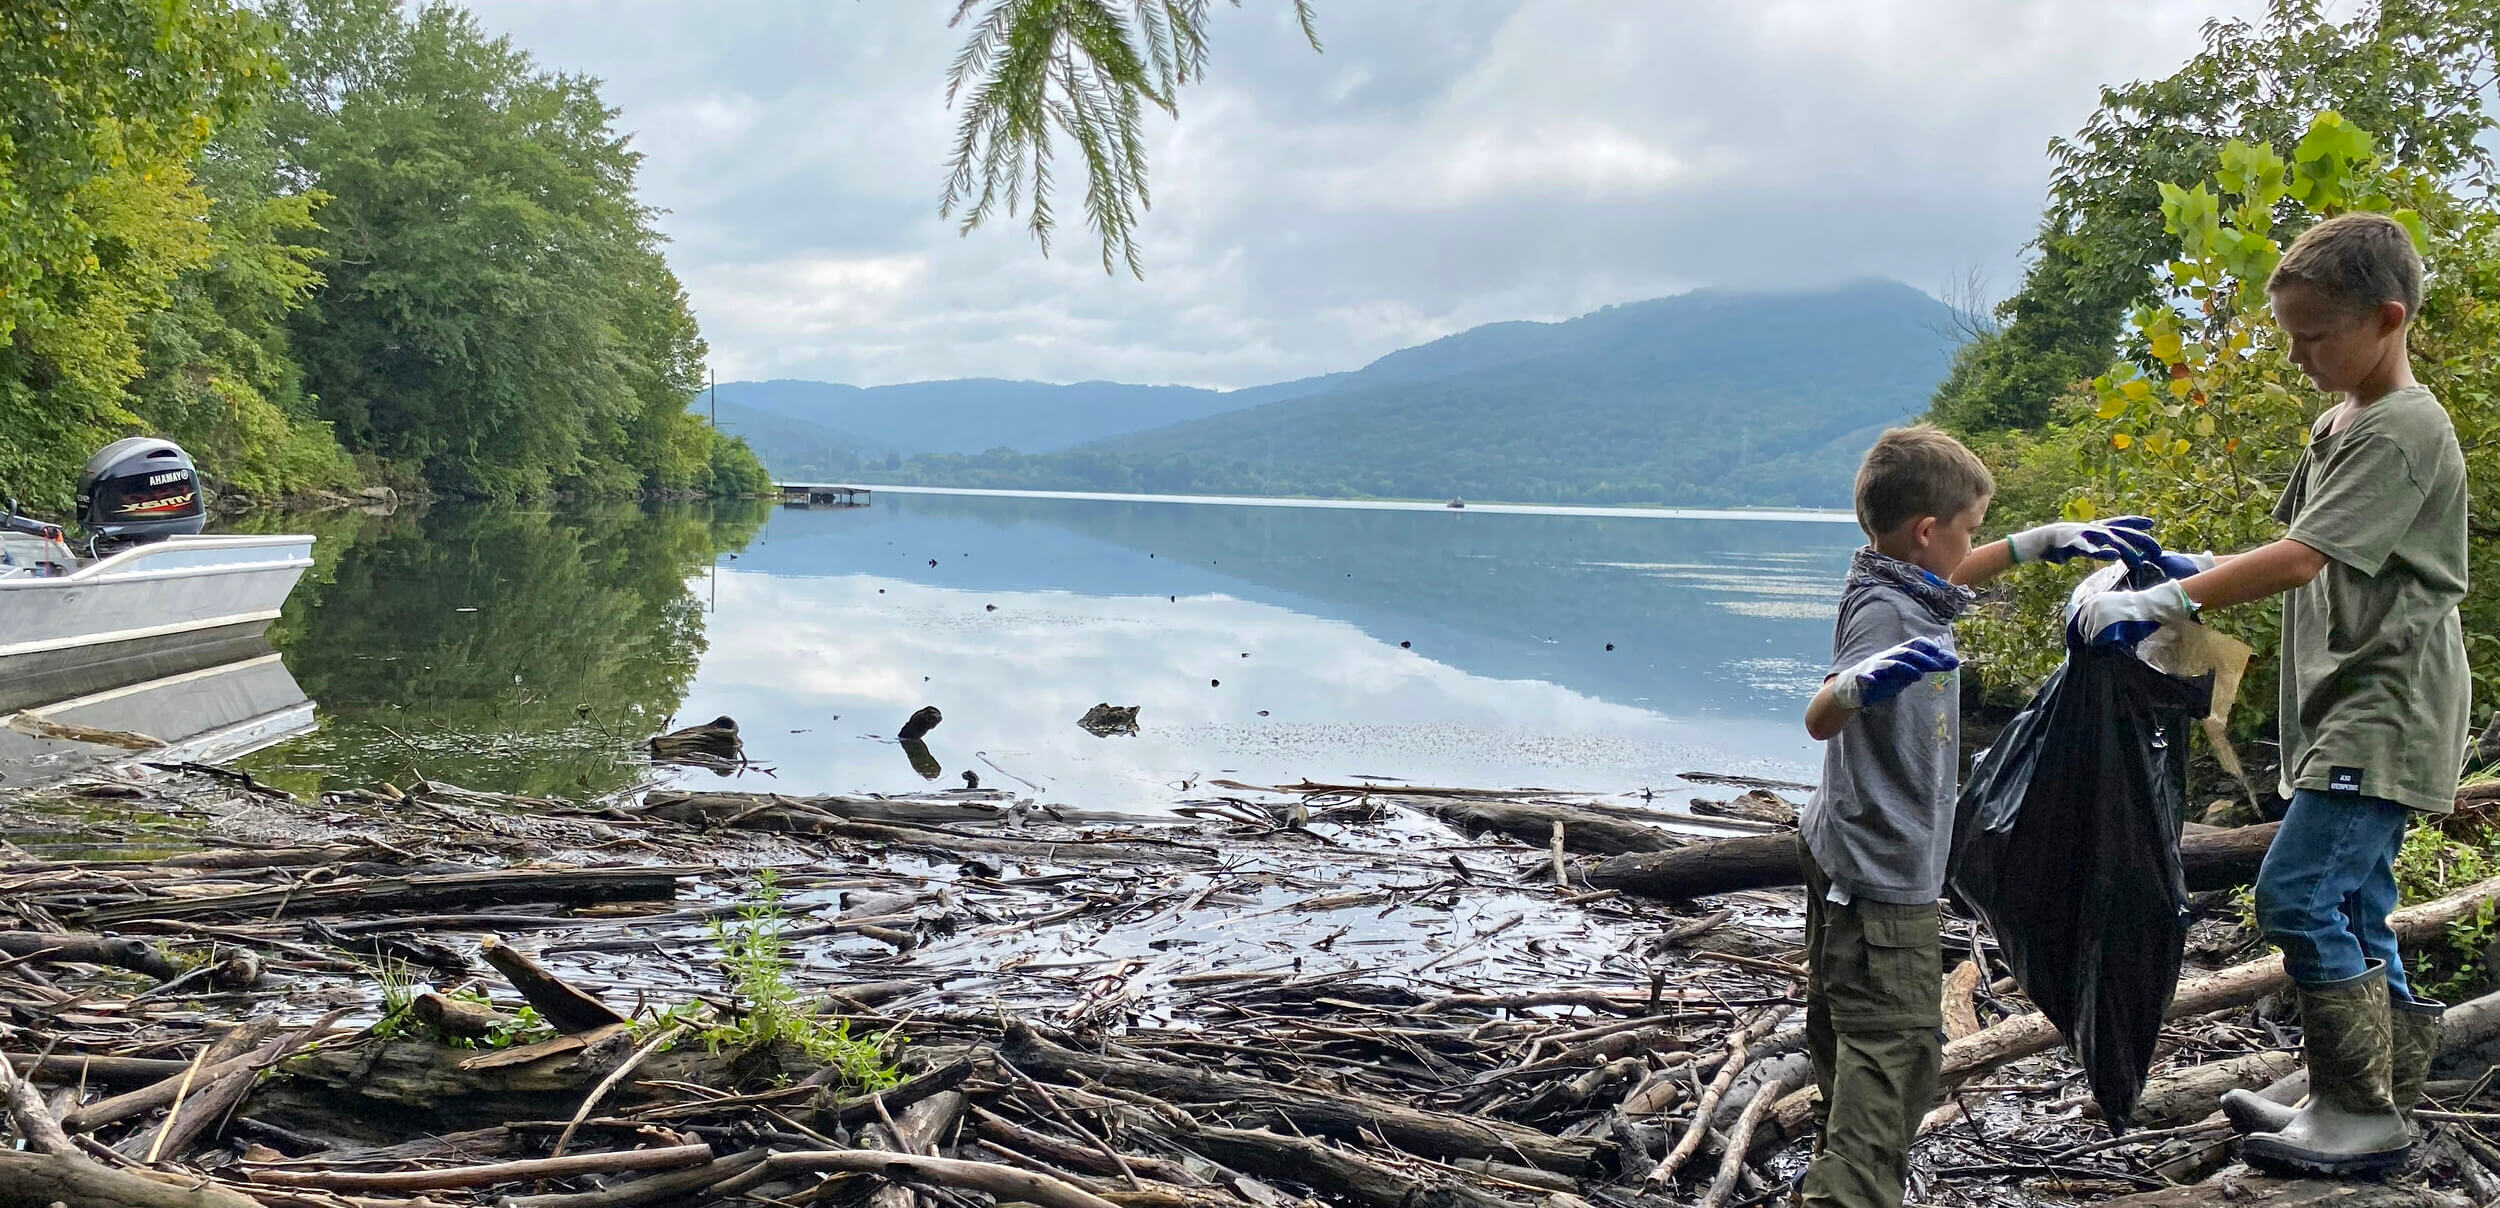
<point>1918,471</point>
<point>2358,261</point>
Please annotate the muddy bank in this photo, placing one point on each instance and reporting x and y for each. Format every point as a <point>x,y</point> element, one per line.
<point>428,995</point>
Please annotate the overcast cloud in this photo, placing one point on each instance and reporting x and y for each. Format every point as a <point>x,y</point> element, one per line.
<point>1444,163</point>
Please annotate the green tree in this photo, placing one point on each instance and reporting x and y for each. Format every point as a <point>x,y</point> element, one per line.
<point>2415,72</point>
<point>497,316</point>
<point>220,376</point>
<point>102,106</point>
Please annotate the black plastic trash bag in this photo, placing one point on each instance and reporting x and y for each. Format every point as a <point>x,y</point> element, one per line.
<point>2067,844</point>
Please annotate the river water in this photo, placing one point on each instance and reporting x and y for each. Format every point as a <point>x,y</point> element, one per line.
<point>534,650</point>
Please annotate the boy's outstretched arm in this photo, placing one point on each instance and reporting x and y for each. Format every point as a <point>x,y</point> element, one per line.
<point>2061,541</point>
<point>2268,570</point>
<point>2128,616</point>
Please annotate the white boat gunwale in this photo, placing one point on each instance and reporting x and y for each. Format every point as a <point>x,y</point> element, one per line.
<point>124,566</point>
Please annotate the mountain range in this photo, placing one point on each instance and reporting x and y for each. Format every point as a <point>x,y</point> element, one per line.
<point>1715,397</point>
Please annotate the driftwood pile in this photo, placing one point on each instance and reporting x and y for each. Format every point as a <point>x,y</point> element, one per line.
<point>1328,993</point>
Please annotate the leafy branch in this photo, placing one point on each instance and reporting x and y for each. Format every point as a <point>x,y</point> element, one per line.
<point>1033,71</point>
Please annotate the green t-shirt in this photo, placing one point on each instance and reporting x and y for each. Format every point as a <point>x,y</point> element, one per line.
<point>2375,689</point>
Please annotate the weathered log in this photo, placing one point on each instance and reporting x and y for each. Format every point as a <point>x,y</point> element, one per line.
<point>1082,1157</point>
<point>119,951</point>
<point>2257,1191</point>
<point>30,1180</point>
<point>457,1019</point>
<point>388,1181</point>
<point>792,817</point>
<point>633,882</point>
<point>2188,1095</point>
<point>918,725</point>
<point>723,809</point>
<point>383,1089</point>
<point>1439,1134</point>
<point>205,1105</point>
<point>564,1004</point>
<point>859,1109</point>
<point>1004,1182</point>
<point>227,1053</point>
<point>2218,859</point>
<point>1350,1175</point>
<point>916,1131</point>
<point>1585,830</point>
<point>722,1173</point>
<point>79,1069</point>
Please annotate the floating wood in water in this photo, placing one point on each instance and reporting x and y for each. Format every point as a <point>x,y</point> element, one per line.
<point>918,725</point>
<point>1105,720</point>
<point>715,741</point>
<point>36,725</point>
<point>126,952</point>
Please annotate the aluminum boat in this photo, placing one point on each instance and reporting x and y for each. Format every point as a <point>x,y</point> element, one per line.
<point>146,600</point>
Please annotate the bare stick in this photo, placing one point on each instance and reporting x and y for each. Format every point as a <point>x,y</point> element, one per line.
<point>599,1092</point>
<point>1740,1138</point>
<point>1562,877</point>
<point>1738,1044</point>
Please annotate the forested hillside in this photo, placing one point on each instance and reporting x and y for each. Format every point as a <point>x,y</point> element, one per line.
<point>1712,397</point>
<point>322,242</point>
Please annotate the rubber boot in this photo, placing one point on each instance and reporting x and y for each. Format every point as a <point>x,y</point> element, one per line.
<point>2414,1041</point>
<point>2350,1126</point>
<point>2252,1112</point>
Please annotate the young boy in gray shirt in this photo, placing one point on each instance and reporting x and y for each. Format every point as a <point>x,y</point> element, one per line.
<point>1874,839</point>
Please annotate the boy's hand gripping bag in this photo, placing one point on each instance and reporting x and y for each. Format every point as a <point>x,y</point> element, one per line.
<point>2067,845</point>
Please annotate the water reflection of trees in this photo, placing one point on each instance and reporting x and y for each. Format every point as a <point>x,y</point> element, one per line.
<point>517,650</point>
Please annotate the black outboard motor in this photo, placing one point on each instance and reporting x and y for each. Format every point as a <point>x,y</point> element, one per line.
<point>140,489</point>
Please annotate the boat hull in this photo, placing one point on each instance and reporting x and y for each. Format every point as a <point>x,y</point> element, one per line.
<point>142,603</point>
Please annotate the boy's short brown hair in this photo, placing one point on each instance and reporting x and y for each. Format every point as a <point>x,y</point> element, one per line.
<point>1918,471</point>
<point>2357,260</point>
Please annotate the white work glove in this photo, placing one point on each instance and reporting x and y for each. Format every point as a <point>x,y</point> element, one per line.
<point>1882,677</point>
<point>2123,618</point>
<point>2129,537</point>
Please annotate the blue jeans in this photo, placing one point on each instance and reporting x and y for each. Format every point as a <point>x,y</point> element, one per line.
<point>2328,884</point>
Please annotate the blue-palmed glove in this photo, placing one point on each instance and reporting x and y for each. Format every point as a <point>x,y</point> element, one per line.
<point>2182,566</point>
<point>2129,537</point>
<point>1882,677</point>
<point>2123,618</point>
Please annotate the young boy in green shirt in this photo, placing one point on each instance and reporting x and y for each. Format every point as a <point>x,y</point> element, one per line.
<point>2375,689</point>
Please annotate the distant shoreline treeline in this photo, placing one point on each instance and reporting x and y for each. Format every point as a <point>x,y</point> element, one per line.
<point>330,242</point>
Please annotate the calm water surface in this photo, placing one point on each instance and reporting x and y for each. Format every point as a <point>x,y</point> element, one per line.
<point>533,651</point>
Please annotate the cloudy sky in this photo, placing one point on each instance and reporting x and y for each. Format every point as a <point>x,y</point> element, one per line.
<point>1443,163</point>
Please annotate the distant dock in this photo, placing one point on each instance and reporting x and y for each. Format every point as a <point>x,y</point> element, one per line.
<point>821,495</point>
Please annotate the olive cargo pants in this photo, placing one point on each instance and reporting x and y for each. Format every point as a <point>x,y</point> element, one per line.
<point>1874,984</point>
